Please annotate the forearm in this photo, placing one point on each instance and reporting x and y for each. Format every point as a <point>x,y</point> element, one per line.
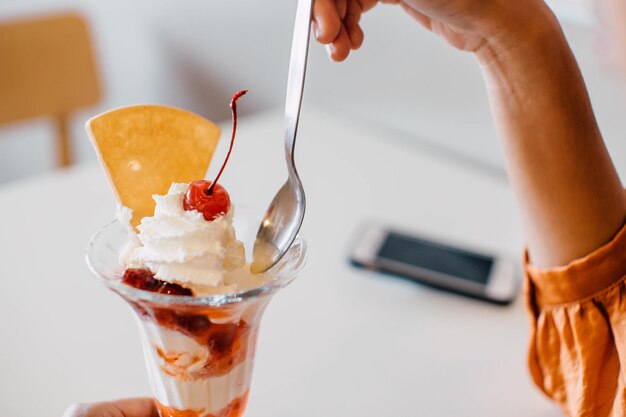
<point>570,196</point>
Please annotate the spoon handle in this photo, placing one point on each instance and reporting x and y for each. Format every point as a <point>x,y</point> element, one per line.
<point>297,71</point>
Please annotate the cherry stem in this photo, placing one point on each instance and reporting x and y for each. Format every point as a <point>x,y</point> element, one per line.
<point>233,108</point>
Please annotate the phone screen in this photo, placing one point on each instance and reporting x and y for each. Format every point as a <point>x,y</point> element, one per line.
<point>436,257</point>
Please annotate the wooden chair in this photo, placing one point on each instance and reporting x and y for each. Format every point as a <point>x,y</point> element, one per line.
<point>47,68</point>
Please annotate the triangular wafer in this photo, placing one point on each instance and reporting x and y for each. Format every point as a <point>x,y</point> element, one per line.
<point>145,148</point>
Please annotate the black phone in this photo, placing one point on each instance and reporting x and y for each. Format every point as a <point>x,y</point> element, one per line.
<point>449,267</point>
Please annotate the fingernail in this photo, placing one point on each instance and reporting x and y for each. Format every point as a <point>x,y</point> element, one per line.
<point>330,50</point>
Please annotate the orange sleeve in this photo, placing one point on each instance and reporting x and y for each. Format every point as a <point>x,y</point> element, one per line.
<point>577,353</point>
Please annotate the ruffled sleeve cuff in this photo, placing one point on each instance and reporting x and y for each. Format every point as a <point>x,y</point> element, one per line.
<point>582,278</point>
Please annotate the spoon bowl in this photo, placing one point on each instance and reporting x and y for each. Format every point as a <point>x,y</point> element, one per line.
<point>280,225</point>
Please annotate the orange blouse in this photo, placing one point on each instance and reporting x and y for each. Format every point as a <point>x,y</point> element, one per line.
<point>577,353</point>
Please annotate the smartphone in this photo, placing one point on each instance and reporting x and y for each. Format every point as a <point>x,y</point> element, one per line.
<point>463,271</point>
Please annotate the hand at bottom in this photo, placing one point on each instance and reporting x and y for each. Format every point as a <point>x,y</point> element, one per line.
<point>131,407</point>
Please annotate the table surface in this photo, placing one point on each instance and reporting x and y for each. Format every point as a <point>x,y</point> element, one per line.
<point>339,341</point>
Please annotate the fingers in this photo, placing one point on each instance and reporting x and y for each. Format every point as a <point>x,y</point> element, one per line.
<point>351,23</point>
<point>339,49</point>
<point>342,8</point>
<point>336,25</point>
<point>367,4</point>
<point>326,21</point>
<point>132,407</point>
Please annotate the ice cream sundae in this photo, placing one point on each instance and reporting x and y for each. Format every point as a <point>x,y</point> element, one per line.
<point>182,267</point>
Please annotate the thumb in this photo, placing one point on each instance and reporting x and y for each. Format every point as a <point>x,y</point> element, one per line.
<point>131,407</point>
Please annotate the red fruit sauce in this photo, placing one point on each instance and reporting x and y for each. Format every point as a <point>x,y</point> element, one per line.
<point>144,279</point>
<point>227,342</point>
<point>234,409</point>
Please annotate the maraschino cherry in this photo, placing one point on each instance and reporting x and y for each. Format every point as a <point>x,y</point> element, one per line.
<point>208,197</point>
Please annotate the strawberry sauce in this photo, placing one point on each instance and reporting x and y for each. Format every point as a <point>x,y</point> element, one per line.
<point>227,342</point>
<point>234,409</point>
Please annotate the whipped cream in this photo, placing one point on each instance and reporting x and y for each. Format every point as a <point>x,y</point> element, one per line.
<point>181,247</point>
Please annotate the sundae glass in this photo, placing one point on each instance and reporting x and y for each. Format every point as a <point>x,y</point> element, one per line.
<point>182,258</point>
<point>199,350</point>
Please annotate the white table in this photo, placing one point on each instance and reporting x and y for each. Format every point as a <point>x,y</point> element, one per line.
<point>338,342</point>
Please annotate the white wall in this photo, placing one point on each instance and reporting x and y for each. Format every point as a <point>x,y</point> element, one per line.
<point>195,54</point>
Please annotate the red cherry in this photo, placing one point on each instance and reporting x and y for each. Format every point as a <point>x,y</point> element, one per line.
<point>208,197</point>
<point>210,205</point>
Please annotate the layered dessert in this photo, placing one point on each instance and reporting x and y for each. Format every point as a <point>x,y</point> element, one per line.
<point>200,358</point>
<point>183,244</point>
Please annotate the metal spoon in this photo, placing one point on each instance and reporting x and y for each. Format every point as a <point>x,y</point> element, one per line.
<point>285,213</point>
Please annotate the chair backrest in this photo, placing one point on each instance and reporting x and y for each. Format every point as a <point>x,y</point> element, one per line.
<point>47,68</point>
